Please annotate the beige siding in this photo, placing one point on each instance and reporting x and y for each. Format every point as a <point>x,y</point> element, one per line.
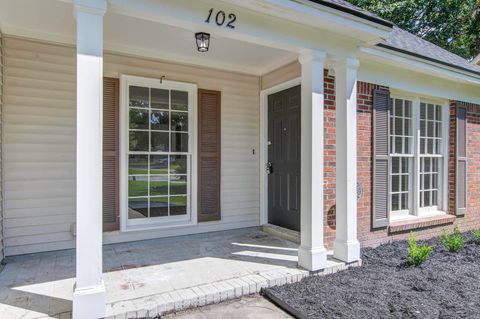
<point>39,141</point>
<point>2,252</point>
<point>285,73</point>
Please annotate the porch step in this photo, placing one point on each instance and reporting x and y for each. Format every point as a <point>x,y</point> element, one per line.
<point>212,293</point>
<point>280,232</point>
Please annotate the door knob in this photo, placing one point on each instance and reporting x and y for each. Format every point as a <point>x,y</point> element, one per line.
<point>269,168</point>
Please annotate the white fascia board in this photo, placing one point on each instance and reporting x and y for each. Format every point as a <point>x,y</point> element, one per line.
<point>412,79</point>
<point>318,16</point>
<point>417,64</point>
<point>476,60</point>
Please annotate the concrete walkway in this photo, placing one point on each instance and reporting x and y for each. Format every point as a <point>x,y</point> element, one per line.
<point>251,307</point>
<point>148,278</point>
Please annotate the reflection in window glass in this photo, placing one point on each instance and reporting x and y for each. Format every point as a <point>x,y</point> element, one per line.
<point>137,208</point>
<point>179,100</point>
<point>138,96</point>
<point>158,182</point>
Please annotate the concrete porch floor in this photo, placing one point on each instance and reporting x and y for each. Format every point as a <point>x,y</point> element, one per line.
<point>152,277</point>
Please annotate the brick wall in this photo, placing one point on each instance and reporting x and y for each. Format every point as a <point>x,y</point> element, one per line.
<point>366,235</point>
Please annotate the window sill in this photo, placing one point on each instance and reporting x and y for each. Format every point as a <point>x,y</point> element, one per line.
<point>414,222</point>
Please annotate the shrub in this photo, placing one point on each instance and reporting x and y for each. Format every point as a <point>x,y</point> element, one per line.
<point>417,255</point>
<point>476,236</point>
<point>453,242</point>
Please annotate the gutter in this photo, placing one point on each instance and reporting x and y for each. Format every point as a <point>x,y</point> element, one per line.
<point>354,12</point>
<point>423,57</point>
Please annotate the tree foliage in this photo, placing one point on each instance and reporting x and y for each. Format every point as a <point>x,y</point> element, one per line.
<point>451,24</point>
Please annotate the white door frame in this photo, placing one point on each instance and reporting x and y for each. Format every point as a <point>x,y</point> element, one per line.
<point>264,142</point>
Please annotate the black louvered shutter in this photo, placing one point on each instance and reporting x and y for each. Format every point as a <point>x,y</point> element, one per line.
<point>110,154</point>
<point>381,161</point>
<point>208,155</point>
<point>461,161</point>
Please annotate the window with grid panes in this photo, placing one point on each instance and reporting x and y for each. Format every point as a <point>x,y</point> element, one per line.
<point>401,152</point>
<point>417,155</point>
<point>158,152</point>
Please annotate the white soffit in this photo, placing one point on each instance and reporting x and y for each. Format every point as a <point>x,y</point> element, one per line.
<point>53,20</point>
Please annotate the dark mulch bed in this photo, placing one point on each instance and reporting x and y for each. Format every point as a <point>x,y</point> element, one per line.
<point>445,286</point>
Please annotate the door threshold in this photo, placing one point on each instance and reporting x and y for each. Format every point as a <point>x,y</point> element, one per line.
<point>283,233</point>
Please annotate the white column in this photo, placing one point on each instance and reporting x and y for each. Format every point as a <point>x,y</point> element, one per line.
<point>312,255</point>
<point>89,291</point>
<point>346,246</point>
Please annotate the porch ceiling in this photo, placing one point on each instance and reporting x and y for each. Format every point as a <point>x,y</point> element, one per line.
<point>53,20</point>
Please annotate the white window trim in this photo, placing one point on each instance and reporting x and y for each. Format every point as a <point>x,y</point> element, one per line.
<point>415,210</point>
<point>157,222</point>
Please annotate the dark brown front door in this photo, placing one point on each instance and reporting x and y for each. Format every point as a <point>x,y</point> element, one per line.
<point>284,158</point>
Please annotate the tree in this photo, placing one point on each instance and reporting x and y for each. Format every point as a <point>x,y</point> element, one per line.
<point>451,24</point>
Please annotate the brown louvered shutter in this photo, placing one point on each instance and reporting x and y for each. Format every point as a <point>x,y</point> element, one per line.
<point>461,161</point>
<point>208,155</point>
<point>110,154</point>
<point>381,162</point>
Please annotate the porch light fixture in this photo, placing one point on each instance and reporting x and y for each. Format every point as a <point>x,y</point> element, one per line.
<point>203,41</point>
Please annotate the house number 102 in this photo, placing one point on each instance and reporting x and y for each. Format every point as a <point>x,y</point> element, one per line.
<point>221,18</point>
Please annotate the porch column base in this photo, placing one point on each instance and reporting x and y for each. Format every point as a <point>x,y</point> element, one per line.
<point>347,251</point>
<point>89,302</point>
<point>312,259</point>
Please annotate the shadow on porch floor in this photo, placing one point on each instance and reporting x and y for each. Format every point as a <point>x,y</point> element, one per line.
<point>155,276</point>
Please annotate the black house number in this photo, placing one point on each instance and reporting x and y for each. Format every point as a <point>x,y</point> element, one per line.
<point>220,18</point>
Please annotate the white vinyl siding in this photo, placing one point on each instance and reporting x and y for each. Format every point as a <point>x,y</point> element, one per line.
<point>39,143</point>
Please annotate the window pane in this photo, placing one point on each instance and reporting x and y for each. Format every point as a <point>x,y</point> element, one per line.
<point>138,164</point>
<point>180,142</point>
<point>398,145</point>
<point>407,145</point>
<point>434,181</point>
<point>434,198</point>
<point>178,185</point>
<point>395,164</point>
<point>398,107</point>
<point>438,129</point>
<point>426,198</point>
<point>158,206</point>
<point>178,205</point>
<point>431,111</point>
<point>138,141</point>
<point>406,127</point>
<point>158,185</point>
<point>422,111</point>
<point>137,186</point>
<point>427,166</point>
<point>137,208</point>
<point>430,127</point>
<point>158,164</point>
<point>395,202</point>
<point>408,109</point>
<point>139,119</point>
<point>430,144</point>
<point>405,183</point>
<point>159,142</point>
<point>179,121</point>
<point>178,164</point>
<point>160,99</point>
<point>159,120</point>
<point>438,114</point>
<point>426,181</point>
<point>179,100</point>
<point>404,203</point>
<point>395,183</point>
<point>423,128</point>
<point>398,126</point>
<point>138,96</point>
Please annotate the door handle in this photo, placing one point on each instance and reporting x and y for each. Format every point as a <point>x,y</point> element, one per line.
<point>269,168</point>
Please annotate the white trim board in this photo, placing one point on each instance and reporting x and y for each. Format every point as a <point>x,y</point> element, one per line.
<point>264,142</point>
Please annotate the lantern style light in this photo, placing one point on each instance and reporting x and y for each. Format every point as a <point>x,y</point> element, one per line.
<point>203,41</point>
